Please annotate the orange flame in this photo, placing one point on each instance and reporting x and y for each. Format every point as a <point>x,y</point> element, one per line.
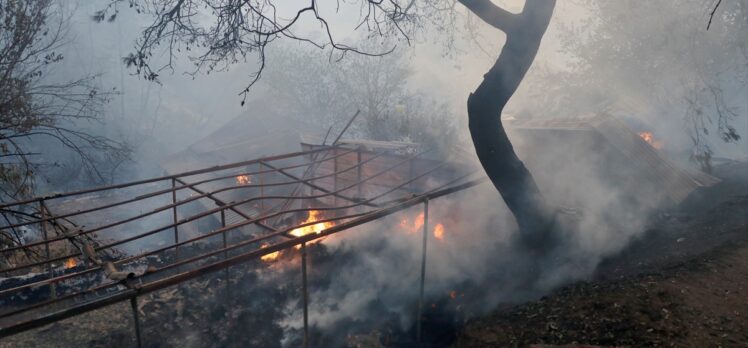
<point>439,231</point>
<point>453,294</point>
<point>415,226</point>
<point>649,138</point>
<point>70,263</point>
<point>269,257</point>
<point>243,179</point>
<point>314,215</point>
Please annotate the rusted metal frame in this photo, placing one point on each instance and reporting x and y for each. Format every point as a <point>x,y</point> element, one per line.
<point>257,239</point>
<point>165,191</point>
<point>310,170</point>
<point>232,204</point>
<point>475,182</point>
<point>419,316</point>
<point>156,251</point>
<point>136,257</point>
<point>294,196</point>
<point>317,187</point>
<point>221,203</point>
<point>152,212</point>
<point>178,278</point>
<point>305,294</point>
<point>244,223</point>
<point>167,177</point>
<point>136,320</point>
<point>277,233</point>
<point>267,216</point>
<point>296,190</point>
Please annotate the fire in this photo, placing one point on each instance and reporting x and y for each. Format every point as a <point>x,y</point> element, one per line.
<point>314,215</point>
<point>439,231</point>
<point>453,294</point>
<point>269,257</point>
<point>70,263</point>
<point>243,179</point>
<point>415,226</point>
<point>649,138</point>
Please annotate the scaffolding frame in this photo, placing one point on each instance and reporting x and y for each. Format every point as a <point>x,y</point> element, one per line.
<point>123,284</point>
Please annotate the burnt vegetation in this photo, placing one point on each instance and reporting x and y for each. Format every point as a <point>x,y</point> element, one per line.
<point>597,235</point>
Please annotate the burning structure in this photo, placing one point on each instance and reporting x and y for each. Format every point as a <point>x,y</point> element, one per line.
<point>184,225</point>
<point>625,158</point>
<point>133,239</point>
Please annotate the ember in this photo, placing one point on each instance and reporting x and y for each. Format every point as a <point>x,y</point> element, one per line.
<point>70,263</point>
<point>269,257</point>
<point>439,231</point>
<point>415,226</point>
<point>243,179</point>
<point>649,138</point>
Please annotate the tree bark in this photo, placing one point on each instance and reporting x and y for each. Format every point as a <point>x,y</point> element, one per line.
<point>509,175</point>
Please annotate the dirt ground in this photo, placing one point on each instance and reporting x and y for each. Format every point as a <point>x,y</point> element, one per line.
<point>683,284</point>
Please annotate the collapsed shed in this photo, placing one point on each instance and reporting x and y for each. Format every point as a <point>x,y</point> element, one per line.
<point>567,155</point>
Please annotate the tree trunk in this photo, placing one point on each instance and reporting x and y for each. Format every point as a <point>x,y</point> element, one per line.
<point>507,172</point>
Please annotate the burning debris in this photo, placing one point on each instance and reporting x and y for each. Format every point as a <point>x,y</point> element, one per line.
<point>70,263</point>
<point>269,257</point>
<point>243,179</point>
<point>439,231</point>
<point>650,139</point>
<point>313,216</point>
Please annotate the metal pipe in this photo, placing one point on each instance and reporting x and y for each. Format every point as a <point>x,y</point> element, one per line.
<point>225,253</point>
<point>419,317</point>
<point>305,294</point>
<point>136,319</point>
<point>43,213</point>
<point>359,170</point>
<point>174,216</point>
<point>221,203</point>
<point>164,191</point>
<point>167,177</point>
<point>335,179</point>
<point>262,190</point>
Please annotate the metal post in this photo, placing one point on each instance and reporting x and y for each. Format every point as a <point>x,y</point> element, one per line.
<point>411,171</point>
<point>225,253</point>
<point>335,177</point>
<point>136,318</point>
<point>43,214</point>
<point>305,295</point>
<point>262,191</point>
<point>419,318</point>
<point>359,170</point>
<point>174,216</point>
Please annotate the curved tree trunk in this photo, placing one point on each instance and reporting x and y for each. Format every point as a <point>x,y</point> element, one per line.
<point>507,172</point>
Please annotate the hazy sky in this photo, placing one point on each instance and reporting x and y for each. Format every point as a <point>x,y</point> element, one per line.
<point>183,108</point>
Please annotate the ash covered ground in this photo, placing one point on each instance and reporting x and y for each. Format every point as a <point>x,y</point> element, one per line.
<point>682,284</point>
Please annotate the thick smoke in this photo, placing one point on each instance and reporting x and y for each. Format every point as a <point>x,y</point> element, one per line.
<point>368,278</point>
